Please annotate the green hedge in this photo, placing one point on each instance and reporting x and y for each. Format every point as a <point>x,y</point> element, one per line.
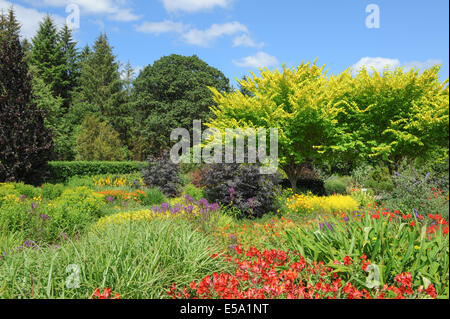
<point>62,171</point>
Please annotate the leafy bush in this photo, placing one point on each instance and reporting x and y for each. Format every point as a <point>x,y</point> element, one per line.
<point>379,180</point>
<point>153,196</point>
<point>417,191</point>
<point>242,186</point>
<point>164,174</point>
<point>28,190</point>
<point>98,141</point>
<point>195,192</point>
<point>52,191</point>
<point>7,190</point>
<point>62,171</point>
<point>337,185</point>
<point>70,214</point>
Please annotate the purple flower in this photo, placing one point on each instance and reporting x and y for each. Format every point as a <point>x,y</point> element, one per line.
<point>188,199</point>
<point>28,244</point>
<point>110,199</point>
<point>44,217</point>
<point>346,219</point>
<point>416,213</point>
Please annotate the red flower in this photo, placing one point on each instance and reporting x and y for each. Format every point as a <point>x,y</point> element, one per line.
<point>347,260</point>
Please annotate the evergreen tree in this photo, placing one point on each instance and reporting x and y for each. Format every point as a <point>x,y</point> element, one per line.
<point>128,78</point>
<point>25,144</point>
<point>71,58</point>
<point>100,88</point>
<point>48,57</point>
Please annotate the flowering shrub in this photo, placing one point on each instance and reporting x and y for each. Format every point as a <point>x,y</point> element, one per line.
<point>277,274</point>
<point>308,204</point>
<point>189,210</point>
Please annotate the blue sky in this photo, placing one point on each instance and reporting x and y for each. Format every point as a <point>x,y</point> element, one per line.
<point>238,36</point>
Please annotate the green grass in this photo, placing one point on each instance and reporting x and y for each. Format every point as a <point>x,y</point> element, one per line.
<point>138,260</point>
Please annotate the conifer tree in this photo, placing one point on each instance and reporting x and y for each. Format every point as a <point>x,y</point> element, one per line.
<point>25,144</point>
<point>71,58</point>
<point>48,57</point>
<point>101,88</point>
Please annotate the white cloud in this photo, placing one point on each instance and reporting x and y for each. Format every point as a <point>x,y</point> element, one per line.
<point>378,63</point>
<point>204,38</point>
<point>381,64</point>
<point>114,9</point>
<point>259,60</point>
<point>161,27</point>
<point>29,18</point>
<point>421,65</point>
<point>194,5</point>
<point>246,41</point>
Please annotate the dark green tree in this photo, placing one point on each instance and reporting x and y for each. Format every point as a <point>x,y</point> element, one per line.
<point>25,143</point>
<point>48,57</point>
<point>170,94</point>
<point>72,63</point>
<point>100,91</point>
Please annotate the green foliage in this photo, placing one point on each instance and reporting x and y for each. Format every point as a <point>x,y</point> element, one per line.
<point>29,191</point>
<point>51,221</point>
<point>379,180</point>
<point>395,115</point>
<point>25,143</point>
<point>48,58</point>
<point>72,64</point>
<point>394,247</point>
<point>52,191</point>
<point>337,185</point>
<point>140,260</point>
<point>194,192</point>
<point>100,91</point>
<point>153,197</point>
<point>300,102</point>
<point>98,141</point>
<point>417,190</point>
<point>62,171</point>
<point>170,94</point>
